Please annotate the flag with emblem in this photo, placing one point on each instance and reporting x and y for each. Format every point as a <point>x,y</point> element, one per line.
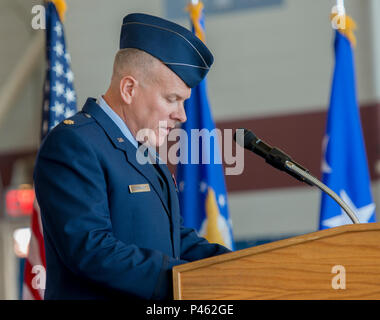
<point>344,167</point>
<point>59,103</point>
<point>201,184</point>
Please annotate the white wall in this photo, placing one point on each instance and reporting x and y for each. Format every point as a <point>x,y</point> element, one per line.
<point>92,33</point>
<point>19,129</point>
<point>8,263</point>
<point>281,60</point>
<point>374,11</point>
<point>267,61</point>
<point>271,60</point>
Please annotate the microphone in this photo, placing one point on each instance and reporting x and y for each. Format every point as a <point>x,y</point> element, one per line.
<point>283,162</point>
<point>273,156</point>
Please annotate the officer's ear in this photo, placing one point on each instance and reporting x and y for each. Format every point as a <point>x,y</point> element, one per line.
<point>128,85</point>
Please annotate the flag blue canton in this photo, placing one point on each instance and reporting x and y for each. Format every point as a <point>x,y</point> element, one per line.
<point>199,182</point>
<point>345,168</point>
<point>59,95</point>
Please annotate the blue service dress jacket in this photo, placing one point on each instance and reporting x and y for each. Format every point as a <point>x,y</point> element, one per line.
<point>102,240</point>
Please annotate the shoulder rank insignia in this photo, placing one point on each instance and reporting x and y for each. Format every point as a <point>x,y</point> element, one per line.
<point>68,121</point>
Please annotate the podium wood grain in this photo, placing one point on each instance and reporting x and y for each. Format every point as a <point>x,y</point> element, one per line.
<point>294,268</point>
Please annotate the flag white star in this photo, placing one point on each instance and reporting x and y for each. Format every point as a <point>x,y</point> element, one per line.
<point>45,126</point>
<point>67,57</point>
<point>58,49</point>
<point>56,122</point>
<point>69,113</point>
<point>69,76</point>
<point>69,95</point>
<point>58,29</point>
<point>58,108</point>
<point>325,166</point>
<point>221,200</point>
<point>58,69</point>
<point>59,88</point>
<point>202,186</point>
<point>181,186</point>
<point>363,214</point>
<point>46,86</point>
<point>46,105</point>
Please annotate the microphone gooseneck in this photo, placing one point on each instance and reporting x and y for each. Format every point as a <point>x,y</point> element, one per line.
<point>273,156</point>
<point>280,160</point>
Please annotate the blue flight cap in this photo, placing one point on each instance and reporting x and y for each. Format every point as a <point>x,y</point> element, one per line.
<point>175,46</point>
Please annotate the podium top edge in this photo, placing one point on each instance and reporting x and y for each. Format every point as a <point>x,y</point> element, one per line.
<point>362,227</point>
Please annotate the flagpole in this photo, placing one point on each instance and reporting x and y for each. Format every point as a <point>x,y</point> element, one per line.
<point>202,191</point>
<point>340,7</point>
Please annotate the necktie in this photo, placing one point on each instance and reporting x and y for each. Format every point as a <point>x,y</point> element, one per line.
<point>160,175</point>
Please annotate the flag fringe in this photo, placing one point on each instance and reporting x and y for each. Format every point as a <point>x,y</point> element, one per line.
<point>61,7</point>
<point>213,234</point>
<point>346,28</point>
<point>195,11</point>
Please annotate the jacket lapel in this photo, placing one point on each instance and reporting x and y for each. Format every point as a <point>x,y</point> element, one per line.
<point>121,143</point>
<point>174,208</point>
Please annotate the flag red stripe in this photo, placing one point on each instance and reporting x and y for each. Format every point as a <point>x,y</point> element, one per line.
<point>28,278</point>
<point>36,230</point>
<point>40,252</point>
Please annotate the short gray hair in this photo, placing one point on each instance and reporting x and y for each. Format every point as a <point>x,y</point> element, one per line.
<point>135,62</point>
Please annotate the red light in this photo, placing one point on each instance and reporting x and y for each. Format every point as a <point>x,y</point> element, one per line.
<point>19,202</point>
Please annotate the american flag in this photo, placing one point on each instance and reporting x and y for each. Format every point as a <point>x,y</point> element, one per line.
<point>59,103</point>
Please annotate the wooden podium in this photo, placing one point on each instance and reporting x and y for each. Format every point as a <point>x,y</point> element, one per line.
<point>336,263</point>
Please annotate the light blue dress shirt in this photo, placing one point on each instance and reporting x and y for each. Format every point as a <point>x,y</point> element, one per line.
<point>118,121</point>
<point>123,127</point>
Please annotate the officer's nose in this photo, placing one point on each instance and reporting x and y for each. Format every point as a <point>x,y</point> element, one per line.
<point>182,113</point>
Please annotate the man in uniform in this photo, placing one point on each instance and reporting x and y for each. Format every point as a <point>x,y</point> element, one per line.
<point>111,224</point>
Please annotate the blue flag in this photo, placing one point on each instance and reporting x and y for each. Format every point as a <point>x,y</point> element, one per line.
<point>59,95</point>
<point>344,167</point>
<point>202,190</point>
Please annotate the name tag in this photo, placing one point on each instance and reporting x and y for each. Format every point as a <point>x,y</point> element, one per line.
<point>133,188</point>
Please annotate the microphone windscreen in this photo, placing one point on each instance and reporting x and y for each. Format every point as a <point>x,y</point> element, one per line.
<point>244,137</point>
